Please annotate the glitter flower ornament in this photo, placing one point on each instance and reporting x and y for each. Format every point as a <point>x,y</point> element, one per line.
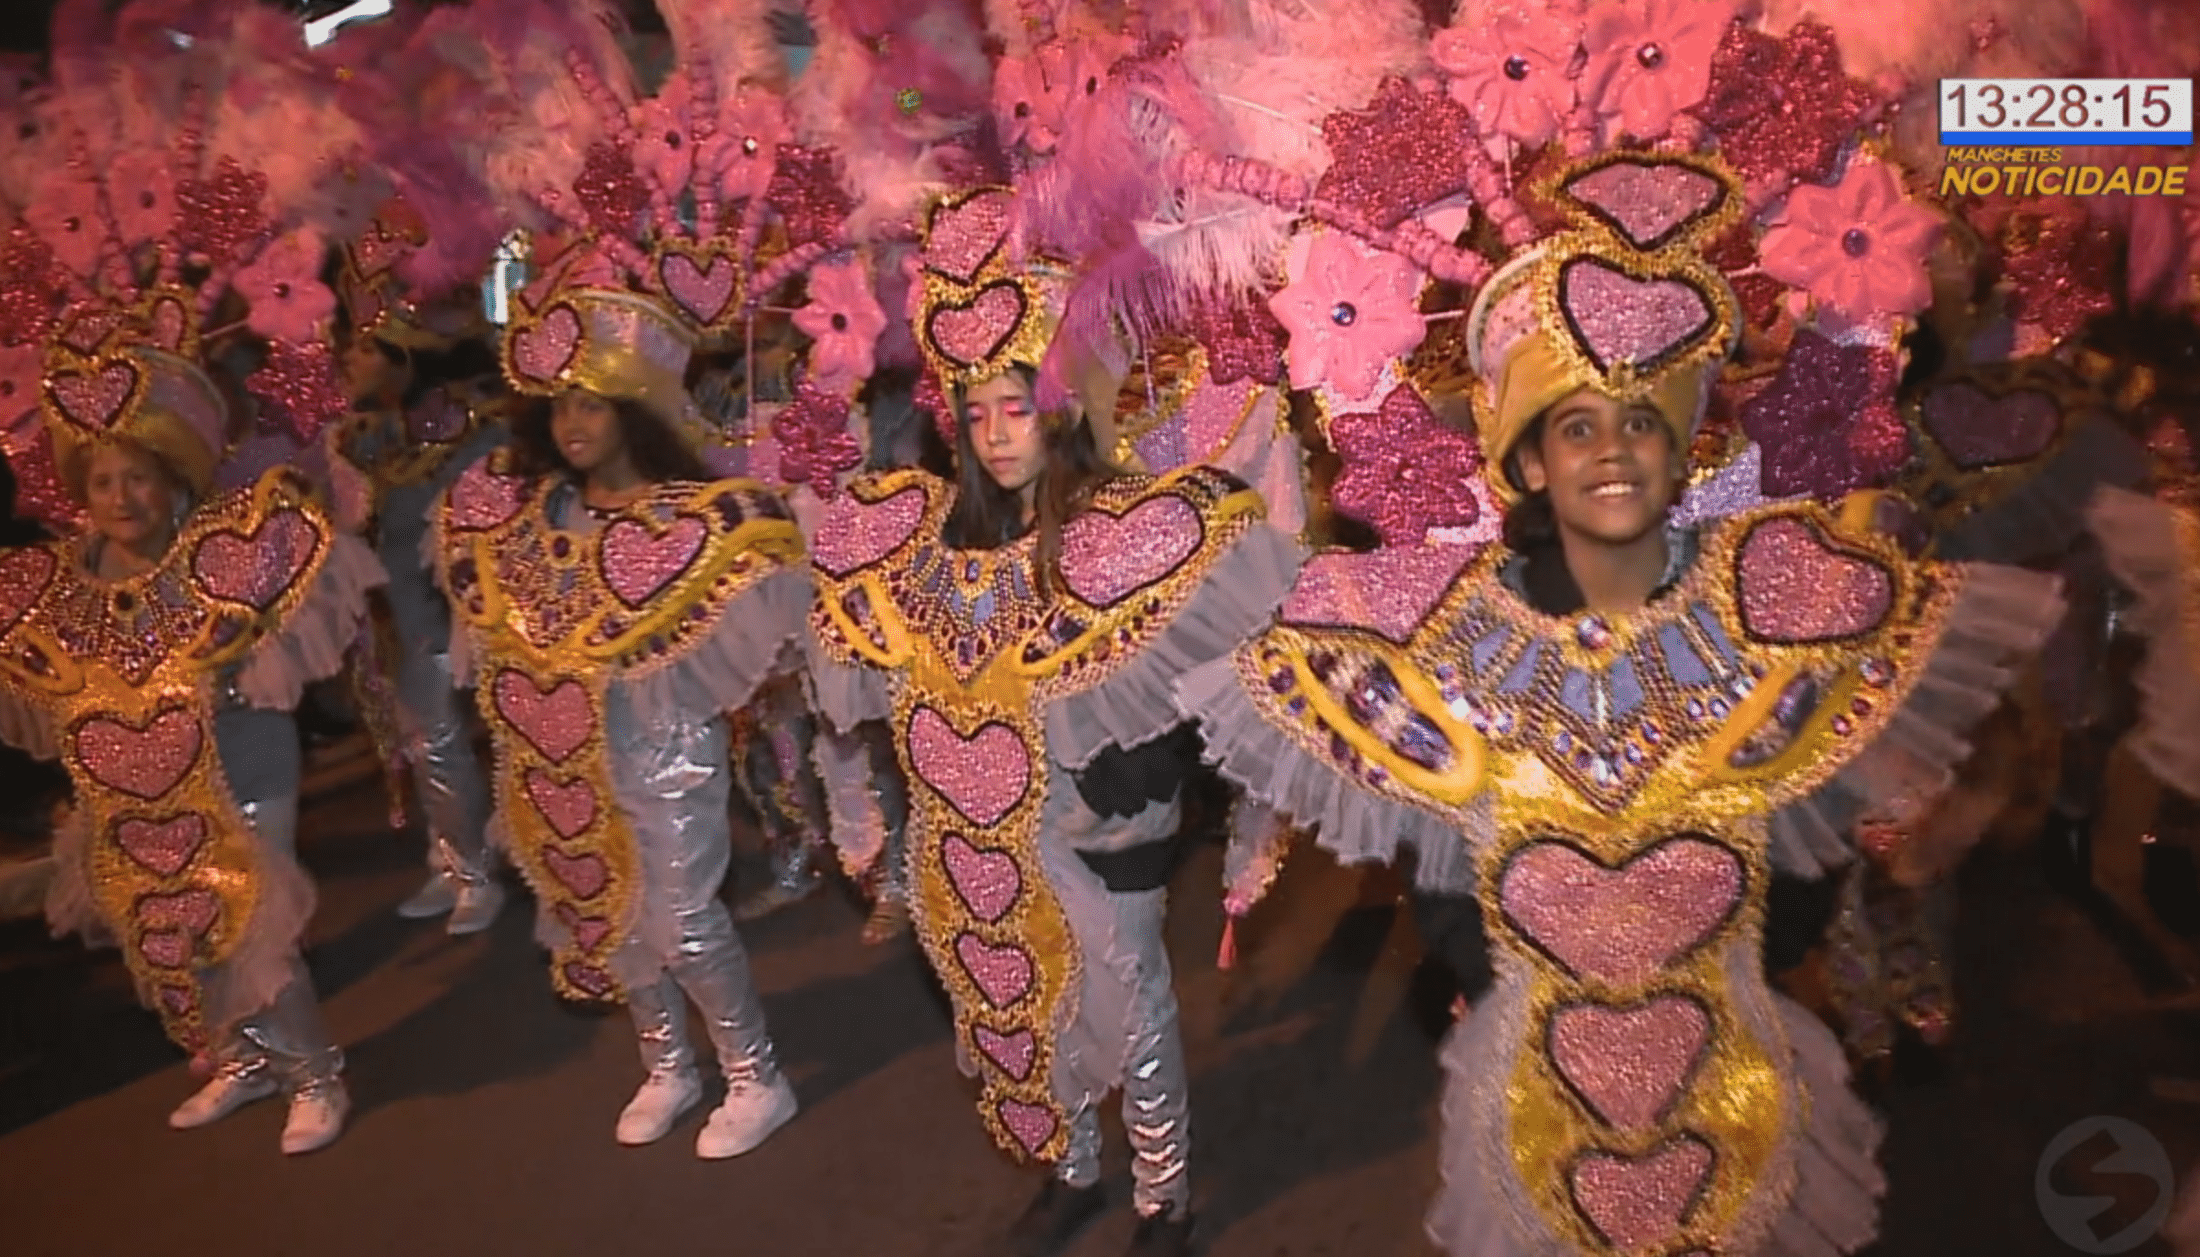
<point>1514,74</point>
<point>289,302</point>
<point>65,213</point>
<point>844,318</point>
<point>1349,309</point>
<point>745,150</point>
<point>1650,59</point>
<point>1858,247</point>
<point>1827,423</point>
<point>814,443</point>
<point>662,149</point>
<point>141,193</point>
<point>1405,473</point>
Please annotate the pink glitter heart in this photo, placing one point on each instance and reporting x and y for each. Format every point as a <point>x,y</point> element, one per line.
<point>145,762</point>
<point>637,564</point>
<point>1107,558</point>
<point>963,238</point>
<point>1617,317</point>
<point>1388,591</point>
<point>162,848</point>
<point>987,881</point>
<point>585,876</point>
<point>259,567</point>
<point>983,776</point>
<point>1003,974</point>
<point>703,292</point>
<point>1796,588</point>
<point>556,722</point>
<point>971,334</point>
<point>439,417</point>
<point>25,571</point>
<point>1622,925</point>
<point>96,400</point>
<point>857,534</point>
<point>544,351</point>
<point>1979,430</point>
<point>481,499</point>
<point>85,332</point>
<point>588,932</point>
<point>1649,203</point>
<point>1629,1063</point>
<point>192,911</point>
<point>1638,1201</point>
<point>592,980</point>
<point>168,324</point>
<point>570,808</point>
<point>1012,1053</point>
<point>1031,1124</point>
<point>167,949</point>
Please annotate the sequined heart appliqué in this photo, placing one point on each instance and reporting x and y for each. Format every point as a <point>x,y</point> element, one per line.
<point>543,352</point>
<point>961,236</point>
<point>1797,587</point>
<point>971,333</point>
<point>162,848</point>
<point>1650,201</point>
<point>1637,1201</point>
<point>143,761</point>
<point>1107,558</point>
<point>1617,317</point>
<point>638,563</point>
<point>556,722</point>
<point>857,534</point>
<point>1003,973</point>
<point>988,882</point>
<point>1628,1064</point>
<point>705,287</point>
<point>259,567</point>
<point>983,776</point>
<point>1978,429</point>
<point>1620,926</point>
<point>97,399</point>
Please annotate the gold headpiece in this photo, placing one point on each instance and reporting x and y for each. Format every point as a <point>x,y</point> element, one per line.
<point>977,308</point>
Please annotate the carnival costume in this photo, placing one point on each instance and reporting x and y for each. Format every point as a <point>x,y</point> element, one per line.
<point>1025,708</point>
<point>168,694</point>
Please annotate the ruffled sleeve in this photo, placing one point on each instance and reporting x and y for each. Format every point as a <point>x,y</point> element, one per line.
<point>2153,549</point>
<point>26,726</point>
<point>755,639</point>
<point>312,640</point>
<point>2048,511</point>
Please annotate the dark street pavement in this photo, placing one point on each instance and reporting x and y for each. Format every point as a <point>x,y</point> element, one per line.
<point>484,1108</point>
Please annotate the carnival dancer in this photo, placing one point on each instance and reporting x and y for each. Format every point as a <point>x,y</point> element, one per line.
<point>1612,732</point>
<point>1019,628</point>
<point>421,414</point>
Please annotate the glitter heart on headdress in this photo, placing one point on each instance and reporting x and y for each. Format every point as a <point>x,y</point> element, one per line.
<point>963,235</point>
<point>1651,200</point>
<point>705,283</point>
<point>1644,319</point>
<point>543,352</point>
<point>971,333</point>
<point>99,398</point>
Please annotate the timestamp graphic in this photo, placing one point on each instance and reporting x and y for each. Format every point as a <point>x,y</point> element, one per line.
<point>2066,111</point>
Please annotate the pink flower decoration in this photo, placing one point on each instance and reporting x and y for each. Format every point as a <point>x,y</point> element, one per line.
<point>1858,247</point>
<point>1349,310</point>
<point>1650,59</point>
<point>751,127</point>
<point>845,320</point>
<point>1512,73</point>
<point>141,193</point>
<point>662,150</point>
<point>65,214</point>
<point>283,285</point>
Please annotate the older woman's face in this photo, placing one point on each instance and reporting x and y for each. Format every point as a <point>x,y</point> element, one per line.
<point>130,497</point>
<point>1610,467</point>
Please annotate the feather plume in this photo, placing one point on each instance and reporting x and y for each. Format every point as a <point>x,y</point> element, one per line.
<point>733,36</point>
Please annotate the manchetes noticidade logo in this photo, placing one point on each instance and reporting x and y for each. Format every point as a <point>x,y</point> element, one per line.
<point>1974,170</point>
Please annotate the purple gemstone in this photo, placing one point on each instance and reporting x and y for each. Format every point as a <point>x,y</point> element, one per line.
<point>1843,725</point>
<point>1563,743</point>
<point>1650,734</point>
<point>1855,242</point>
<point>1593,634</point>
<point>1719,708</point>
<point>1516,68</point>
<point>1343,314</point>
<point>1650,56</point>
<point>1861,706</point>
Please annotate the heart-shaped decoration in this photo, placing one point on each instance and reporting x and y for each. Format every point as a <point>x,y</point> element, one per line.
<point>162,848</point>
<point>1031,1125</point>
<point>1796,587</point>
<point>593,981</point>
<point>438,418</point>
<point>1003,974</point>
<point>192,911</point>
<point>1979,430</point>
<point>971,333</point>
<point>987,881</point>
<point>1637,1201</point>
<point>542,353</point>
<point>97,399</point>
<point>168,949</point>
<point>1620,926</point>
<point>1389,591</point>
<point>555,722</point>
<point>857,534</point>
<point>1649,202</point>
<point>984,776</point>
<point>144,762</point>
<point>705,292</point>
<point>638,564</point>
<point>1629,1064</point>
<point>1616,317</point>
<point>482,499</point>
<point>1012,1054</point>
<point>584,875</point>
<point>570,807</point>
<point>961,236</point>
<point>1107,558</point>
<point>588,932</point>
<point>86,332</point>
<point>25,571</point>
<point>259,567</point>
<point>168,324</point>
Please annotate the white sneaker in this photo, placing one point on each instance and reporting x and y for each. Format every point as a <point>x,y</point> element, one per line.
<point>224,1094</point>
<point>478,905</point>
<point>316,1118</point>
<point>748,1117</point>
<point>438,896</point>
<point>661,1101</point>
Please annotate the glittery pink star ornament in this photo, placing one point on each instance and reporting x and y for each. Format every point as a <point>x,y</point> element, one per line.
<point>2058,268</point>
<point>1858,247</point>
<point>218,217</point>
<point>1514,74</point>
<point>1406,151</point>
<point>814,443</point>
<point>1650,59</point>
<point>1405,472</point>
<point>65,214</point>
<point>32,287</point>
<point>806,191</point>
<point>1349,309</point>
<point>609,190</point>
<point>1243,340</point>
<point>844,318</point>
<point>141,192</point>
<point>752,124</point>
<point>283,285</point>
<point>298,387</point>
<point>1782,108</point>
<point>1827,423</point>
